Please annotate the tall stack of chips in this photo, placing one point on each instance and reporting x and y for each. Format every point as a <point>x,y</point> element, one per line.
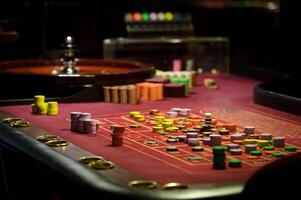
<point>219,157</point>
<point>81,120</point>
<point>117,135</point>
<point>132,94</point>
<point>122,93</point>
<point>74,119</point>
<point>125,94</point>
<point>149,91</point>
<point>106,94</point>
<point>114,94</point>
<point>42,108</point>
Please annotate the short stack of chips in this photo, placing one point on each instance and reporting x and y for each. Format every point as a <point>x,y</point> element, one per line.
<point>82,123</point>
<point>219,157</point>
<point>124,94</point>
<point>53,108</point>
<point>184,81</point>
<point>190,75</point>
<point>117,135</point>
<point>41,107</point>
<point>234,163</point>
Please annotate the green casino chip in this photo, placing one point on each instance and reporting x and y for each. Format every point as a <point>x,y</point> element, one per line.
<point>235,163</point>
<point>172,140</point>
<point>277,154</point>
<point>256,153</point>
<point>291,148</point>
<point>171,148</point>
<point>197,149</point>
<point>268,148</point>
<point>218,150</point>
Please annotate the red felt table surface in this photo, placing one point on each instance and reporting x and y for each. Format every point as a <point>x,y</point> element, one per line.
<point>231,102</point>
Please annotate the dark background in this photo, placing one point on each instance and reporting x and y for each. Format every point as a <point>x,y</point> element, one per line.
<point>260,39</point>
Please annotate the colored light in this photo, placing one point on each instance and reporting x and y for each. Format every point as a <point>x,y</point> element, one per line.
<point>161,16</point>
<point>153,16</point>
<point>178,16</point>
<point>169,16</point>
<point>137,16</point>
<point>145,16</point>
<point>128,17</point>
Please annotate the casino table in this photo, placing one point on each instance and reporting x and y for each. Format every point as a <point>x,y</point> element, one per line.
<point>231,102</point>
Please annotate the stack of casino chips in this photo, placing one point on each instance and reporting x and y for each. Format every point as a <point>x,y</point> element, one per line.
<point>149,91</point>
<point>124,94</point>
<point>82,123</point>
<point>41,107</point>
<point>117,135</point>
<point>191,76</point>
<point>249,130</point>
<point>219,157</point>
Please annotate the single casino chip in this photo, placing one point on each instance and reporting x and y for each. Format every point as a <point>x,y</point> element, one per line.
<point>57,143</point>
<point>198,149</point>
<point>157,129</point>
<point>20,124</point>
<point>174,186</point>
<point>172,140</point>
<point>101,165</point>
<point>134,126</point>
<point>46,138</point>
<point>255,153</point>
<point>139,118</point>
<point>234,163</point>
<point>89,159</point>
<point>143,184</point>
<point>194,158</point>
<point>236,152</point>
<point>262,143</point>
<point>223,131</point>
<point>172,129</point>
<point>277,154</point>
<point>268,148</point>
<point>291,148</point>
<point>151,142</point>
<point>171,148</point>
<point>154,111</point>
<point>133,113</point>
